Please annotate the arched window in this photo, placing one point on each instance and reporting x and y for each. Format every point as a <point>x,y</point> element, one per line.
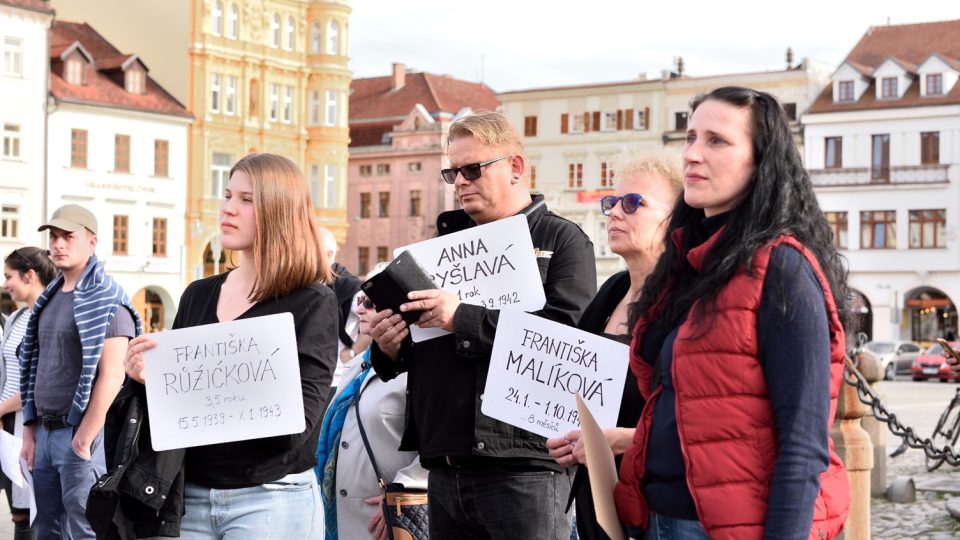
<point>217,18</point>
<point>275,31</point>
<point>233,22</point>
<point>291,34</point>
<point>315,38</point>
<point>333,37</point>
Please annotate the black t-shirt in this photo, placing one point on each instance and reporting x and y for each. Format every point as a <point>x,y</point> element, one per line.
<point>258,461</point>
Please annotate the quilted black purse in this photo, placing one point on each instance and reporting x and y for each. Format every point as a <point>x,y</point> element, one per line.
<point>404,510</point>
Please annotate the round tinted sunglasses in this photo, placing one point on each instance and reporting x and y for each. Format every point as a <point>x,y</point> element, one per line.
<point>630,203</point>
<point>470,171</point>
<point>365,301</point>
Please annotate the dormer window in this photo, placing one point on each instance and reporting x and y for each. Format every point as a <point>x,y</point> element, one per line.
<point>889,87</point>
<point>934,84</point>
<point>135,80</point>
<point>845,91</point>
<point>75,69</point>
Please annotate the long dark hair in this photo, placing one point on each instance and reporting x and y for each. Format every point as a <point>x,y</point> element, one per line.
<point>32,258</point>
<point>779,199</point>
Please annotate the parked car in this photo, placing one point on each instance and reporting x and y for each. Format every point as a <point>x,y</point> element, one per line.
<point>932,364</point>
<point>896,357</point>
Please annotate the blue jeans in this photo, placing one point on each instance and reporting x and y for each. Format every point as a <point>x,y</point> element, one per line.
<point>490,503</point>
<point>62,482</point>
<point>286,508</point>
<point>667,528</point>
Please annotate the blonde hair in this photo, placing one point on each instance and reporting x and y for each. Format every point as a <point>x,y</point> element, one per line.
<point>488,128</point>
<point>656,160</point>
<point>288,254</point>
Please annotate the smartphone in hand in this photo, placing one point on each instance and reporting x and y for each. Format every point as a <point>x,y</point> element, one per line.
<point>954,357</point>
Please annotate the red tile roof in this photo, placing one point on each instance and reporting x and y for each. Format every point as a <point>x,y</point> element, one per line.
<point>101,89</point>
<point>35,5</point>
<point>909,45</point>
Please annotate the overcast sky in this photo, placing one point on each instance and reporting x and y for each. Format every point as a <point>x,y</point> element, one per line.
<point>518,44</point>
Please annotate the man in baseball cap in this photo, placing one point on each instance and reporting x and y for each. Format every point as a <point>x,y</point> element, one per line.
<point>72,368</point>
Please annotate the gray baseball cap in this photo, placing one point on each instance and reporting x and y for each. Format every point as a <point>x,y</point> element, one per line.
<point>71,218</point>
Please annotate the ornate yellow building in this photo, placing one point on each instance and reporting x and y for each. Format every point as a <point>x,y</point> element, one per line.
<point>258,76</point>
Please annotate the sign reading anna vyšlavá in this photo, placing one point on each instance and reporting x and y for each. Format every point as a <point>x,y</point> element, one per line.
<point>538,366</point>
<point>224,382</point>
<point>492,265</point>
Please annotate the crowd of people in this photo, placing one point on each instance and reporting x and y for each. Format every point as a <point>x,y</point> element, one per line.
<point>733,304</point>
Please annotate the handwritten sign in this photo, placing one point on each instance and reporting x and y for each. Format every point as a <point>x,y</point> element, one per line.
<point>224,382</point>
<point>492,265</point>
<point>537,367</point>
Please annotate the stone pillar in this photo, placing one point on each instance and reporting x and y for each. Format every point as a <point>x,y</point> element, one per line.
<point>854,447</point>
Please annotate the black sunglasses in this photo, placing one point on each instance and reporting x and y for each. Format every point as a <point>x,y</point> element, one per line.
<point>629,202</point>
<point>470,172</point>
<point>364,301</point>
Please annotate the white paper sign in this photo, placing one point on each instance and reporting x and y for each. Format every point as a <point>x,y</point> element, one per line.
<point>224,382</point>
<point>538,366</point>
<point>492,265</point>
<point>10,457</point>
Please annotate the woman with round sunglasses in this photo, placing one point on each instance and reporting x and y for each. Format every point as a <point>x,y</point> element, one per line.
<point>738,343</point>
<point>348,483</point>
<point>650,182</point>
<point>26,273</point>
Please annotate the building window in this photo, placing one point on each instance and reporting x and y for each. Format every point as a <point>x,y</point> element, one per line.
<point>838,223</point>
<point>888,87</point>
<point>288,105</point>
<point>934,84</point>
<point>603,245</point>
<point>291,34</point>
<point>11,141</point>
<point>928,229</point>
<point>640,119</point>
<point>878,229</point>
<point>78,148</point>
<point>609,121</point>
<point>9,221</point>
<point>790,110</point>
<point>680,120</point>
<point>233,22</point>
<point>275,31</point>
<point>533,176</point>
<point>833,153</point>
<point>219,174</point>
<point>215,92</point>
<point>414,167</point>
<point>880,159</point>
<point>159,237</point>
<point>383,169</point>
<point>333,37</point>
<point>331,119</point>
<point>274,102</point>
<point>365,205</point>
<point>529,126</point>
<point>575,175</point>
<point>315,37</point>
<point>76,69</point>
<point>315,185</point>
<point>845,91</point>
<point>315,107</point>
<point>231,104</point>
<point>134,80</point>
<point>363,260</point>
<point>217,18</point>
<point>120,232</point>
<point>383,209</point>
<point>930,148</point>
<point>606,174</point>
<point>366,170</point>
<point>382,254</point>
<point>330,182</point>
<point>415,203</point>
<point>13,57</point>
<point>577,123</point>
<point>121,153</point>
<point>161,157</point>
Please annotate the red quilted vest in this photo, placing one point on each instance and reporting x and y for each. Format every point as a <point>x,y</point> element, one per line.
<point>724,417</point>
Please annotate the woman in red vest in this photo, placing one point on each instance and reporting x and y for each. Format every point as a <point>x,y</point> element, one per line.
<point>738,343</point>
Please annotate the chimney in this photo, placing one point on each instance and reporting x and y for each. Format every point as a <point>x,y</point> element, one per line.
<point>789,58</point>
<point>679,66</point>
<point>399,75</point>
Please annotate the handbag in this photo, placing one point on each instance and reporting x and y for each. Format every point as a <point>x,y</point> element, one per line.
<point>405,511</point>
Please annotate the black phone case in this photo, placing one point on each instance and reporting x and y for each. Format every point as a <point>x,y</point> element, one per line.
<point>389,288</point>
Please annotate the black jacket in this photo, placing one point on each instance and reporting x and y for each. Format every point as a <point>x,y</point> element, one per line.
<point>569,275</point>
<point>345,287</point>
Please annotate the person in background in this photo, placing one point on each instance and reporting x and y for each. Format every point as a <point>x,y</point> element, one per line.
<point>256,488</point>
<point>26,273</point>
<point>746,302</point>
<point>349,486</point>
<point>649,183</point>
<point>346,286</point>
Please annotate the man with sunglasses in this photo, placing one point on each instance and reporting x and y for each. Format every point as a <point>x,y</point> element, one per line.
<point>487,479</point>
